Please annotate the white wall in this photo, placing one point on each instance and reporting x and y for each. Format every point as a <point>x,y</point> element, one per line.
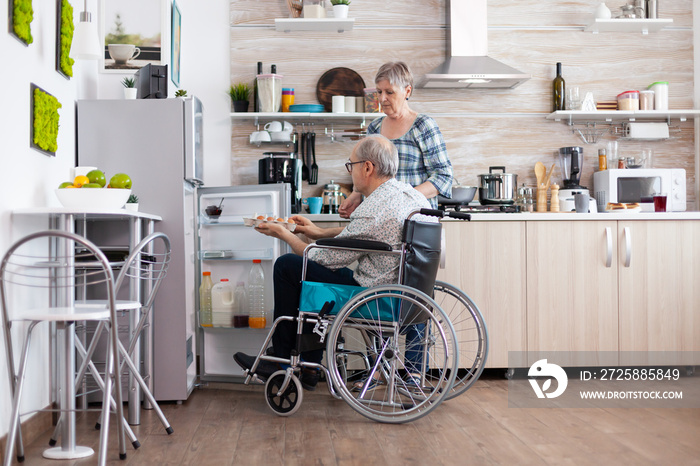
<point>29,177</point>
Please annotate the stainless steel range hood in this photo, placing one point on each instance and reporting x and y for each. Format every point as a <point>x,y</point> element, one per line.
<point>469,66</point>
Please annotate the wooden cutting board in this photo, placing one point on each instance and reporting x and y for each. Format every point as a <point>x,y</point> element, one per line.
<point>338,81</point>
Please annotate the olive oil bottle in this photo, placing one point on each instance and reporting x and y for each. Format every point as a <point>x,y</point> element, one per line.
<point>559,90</point>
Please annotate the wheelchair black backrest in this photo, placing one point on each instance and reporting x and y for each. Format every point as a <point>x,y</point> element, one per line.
<point>423,259</point>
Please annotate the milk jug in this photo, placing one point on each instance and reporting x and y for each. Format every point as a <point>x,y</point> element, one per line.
<point>222,304</point>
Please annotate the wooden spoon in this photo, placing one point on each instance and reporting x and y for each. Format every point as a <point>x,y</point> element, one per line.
<point>551,170</point>
<point>540,172</point>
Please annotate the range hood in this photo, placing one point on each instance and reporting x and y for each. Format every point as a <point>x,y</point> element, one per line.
<point>469,66</point>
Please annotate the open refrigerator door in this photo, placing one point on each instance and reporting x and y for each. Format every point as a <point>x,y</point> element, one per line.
<point>227,248</point>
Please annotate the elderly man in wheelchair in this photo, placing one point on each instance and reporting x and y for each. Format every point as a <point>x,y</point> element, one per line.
<point>361,316</point>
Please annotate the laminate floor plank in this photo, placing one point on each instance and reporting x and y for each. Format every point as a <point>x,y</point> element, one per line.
<point>230,424</point>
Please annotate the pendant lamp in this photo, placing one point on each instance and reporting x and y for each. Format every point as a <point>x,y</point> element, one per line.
<point>86,43</point>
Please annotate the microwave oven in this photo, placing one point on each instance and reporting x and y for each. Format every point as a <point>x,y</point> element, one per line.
<point>639,185</point>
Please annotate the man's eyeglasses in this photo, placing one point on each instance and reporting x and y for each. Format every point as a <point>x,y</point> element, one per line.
<point>348,166</point>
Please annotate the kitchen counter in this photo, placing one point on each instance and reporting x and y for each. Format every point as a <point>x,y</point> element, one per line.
<point>547,216</point>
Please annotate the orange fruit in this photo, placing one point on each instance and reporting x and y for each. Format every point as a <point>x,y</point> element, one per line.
<point>80,180</point>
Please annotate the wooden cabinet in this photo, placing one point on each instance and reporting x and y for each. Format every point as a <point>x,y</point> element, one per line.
<point>603,287</point>
<point>659,282</point>
<point>572,293</point>
<point>486,260</point>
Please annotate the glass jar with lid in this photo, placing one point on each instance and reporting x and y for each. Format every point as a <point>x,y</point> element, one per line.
<point>314,8</point>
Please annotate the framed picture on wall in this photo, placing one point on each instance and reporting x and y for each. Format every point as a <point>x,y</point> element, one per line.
<point>134,33</point>
<point>175,45</point>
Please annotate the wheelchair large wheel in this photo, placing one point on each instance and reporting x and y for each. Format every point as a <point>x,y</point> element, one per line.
<point>400,341</point>
<point>289,401</point>
<point>472,336</point>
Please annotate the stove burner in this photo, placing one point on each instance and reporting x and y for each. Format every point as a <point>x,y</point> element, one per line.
<point>477,208</point>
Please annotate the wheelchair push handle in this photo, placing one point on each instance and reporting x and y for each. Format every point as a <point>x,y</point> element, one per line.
<point>442,214</point>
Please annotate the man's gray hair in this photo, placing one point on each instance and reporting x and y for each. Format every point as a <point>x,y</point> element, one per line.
<point>397,73</point>
<point>381,152</point>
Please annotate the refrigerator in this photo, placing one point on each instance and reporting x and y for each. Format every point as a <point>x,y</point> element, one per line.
<point>159,144</point>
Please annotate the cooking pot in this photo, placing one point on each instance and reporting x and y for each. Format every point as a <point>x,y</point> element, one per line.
<point>460,195</point>
<point>497,188</point>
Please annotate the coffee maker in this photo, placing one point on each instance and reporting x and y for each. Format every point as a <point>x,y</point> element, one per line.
<point>282,167</point>
<point>571,165</point>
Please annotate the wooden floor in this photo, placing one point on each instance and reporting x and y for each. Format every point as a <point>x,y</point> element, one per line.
<point>232,425</point>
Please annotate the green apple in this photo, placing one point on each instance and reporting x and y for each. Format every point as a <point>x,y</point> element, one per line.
<point>97,176</point>
<point>65,184</point>
<point>120,181</point>
<point>92,185</point>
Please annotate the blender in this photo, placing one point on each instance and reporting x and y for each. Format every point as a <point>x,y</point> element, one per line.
<point>571,165</point>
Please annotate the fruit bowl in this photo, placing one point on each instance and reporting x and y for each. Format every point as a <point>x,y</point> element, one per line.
<point>93,198</point>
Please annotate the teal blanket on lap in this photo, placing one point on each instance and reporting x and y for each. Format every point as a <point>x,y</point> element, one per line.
<point>314,295</point>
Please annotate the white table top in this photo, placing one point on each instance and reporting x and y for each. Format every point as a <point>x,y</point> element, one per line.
<point>91,213</point>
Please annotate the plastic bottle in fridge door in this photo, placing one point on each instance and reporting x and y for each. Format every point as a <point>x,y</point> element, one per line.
<point>256,296</point>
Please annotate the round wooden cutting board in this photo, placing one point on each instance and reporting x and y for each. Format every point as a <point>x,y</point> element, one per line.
<point>338,81</point>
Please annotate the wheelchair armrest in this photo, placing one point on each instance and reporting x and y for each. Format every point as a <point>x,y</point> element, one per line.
<point>354,244</point>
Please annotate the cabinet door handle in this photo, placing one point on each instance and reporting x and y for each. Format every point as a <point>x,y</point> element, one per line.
<point>628,246</point>
<point>609,247</point>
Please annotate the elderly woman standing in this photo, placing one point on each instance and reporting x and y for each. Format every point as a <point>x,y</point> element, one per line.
<point>423,161</point>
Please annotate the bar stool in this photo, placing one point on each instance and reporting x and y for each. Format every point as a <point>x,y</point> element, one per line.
<point>37,284</point>
<point>148,262</point>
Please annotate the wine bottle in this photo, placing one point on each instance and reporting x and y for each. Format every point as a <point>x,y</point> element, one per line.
<point>256,104</point>
<point>559,90</point>
<point>273,69</point>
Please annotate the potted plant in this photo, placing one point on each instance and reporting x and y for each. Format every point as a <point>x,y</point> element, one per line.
<point>340,8</point>
<point>181,93</point>
<point>129,88</point>
<point>239,97</point>
<point>132,203</point>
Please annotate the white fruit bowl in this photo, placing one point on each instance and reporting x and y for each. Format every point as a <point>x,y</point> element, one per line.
<point>93,198</point>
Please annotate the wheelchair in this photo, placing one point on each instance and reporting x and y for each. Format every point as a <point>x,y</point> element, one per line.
<point>392,352</point>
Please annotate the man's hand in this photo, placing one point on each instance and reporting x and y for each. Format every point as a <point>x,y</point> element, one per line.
<point>307,228</point>
<point>349,205</point>
<point>275,230</point>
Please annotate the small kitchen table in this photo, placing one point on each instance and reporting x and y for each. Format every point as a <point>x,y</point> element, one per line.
<point>139,225</point>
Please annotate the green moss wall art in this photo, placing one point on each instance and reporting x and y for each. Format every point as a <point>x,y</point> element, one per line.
<point>44,129</point>
<point>21,16</point>
<point>64,39</point>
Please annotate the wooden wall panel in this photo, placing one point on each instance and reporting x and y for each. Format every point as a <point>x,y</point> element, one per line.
<point>529,35</point>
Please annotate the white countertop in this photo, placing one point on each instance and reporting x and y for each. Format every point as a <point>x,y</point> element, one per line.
<point>92,213</point>
<point>548,216</point>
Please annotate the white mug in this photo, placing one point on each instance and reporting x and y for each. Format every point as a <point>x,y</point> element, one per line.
<point>122,53</point>
<point>259,136</point>
<point>280,136</point>
<point>273,126</point>
<point>338,103</point>
<point>287,126</point>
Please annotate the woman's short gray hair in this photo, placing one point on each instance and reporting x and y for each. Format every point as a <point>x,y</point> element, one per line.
<point>381,152</point>
<point>397,73</point>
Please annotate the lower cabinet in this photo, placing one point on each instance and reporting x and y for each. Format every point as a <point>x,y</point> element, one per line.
<point>608,286</point>
<point>572,292</point>
<point>659,280</point>
<point>486,260</point>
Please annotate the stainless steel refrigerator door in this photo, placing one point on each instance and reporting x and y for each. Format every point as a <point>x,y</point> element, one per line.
<point>144,138</point>
<point>226,249</point>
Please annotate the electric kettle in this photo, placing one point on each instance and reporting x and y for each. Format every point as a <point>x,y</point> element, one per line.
<point>332,198</point>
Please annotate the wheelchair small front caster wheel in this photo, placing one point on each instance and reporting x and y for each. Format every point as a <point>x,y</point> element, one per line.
<point>289,401</point>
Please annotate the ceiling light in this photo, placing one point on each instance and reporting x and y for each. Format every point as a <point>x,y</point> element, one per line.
<point>86,43</point>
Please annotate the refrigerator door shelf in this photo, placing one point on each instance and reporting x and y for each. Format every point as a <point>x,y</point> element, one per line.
<point>243,254</point>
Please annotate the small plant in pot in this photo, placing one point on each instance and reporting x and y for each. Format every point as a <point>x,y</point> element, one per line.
<point>181,93</point>
<point>239,97</point>
<point>132,203</point>
<point>129,88</point>
<point>340,8</point>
